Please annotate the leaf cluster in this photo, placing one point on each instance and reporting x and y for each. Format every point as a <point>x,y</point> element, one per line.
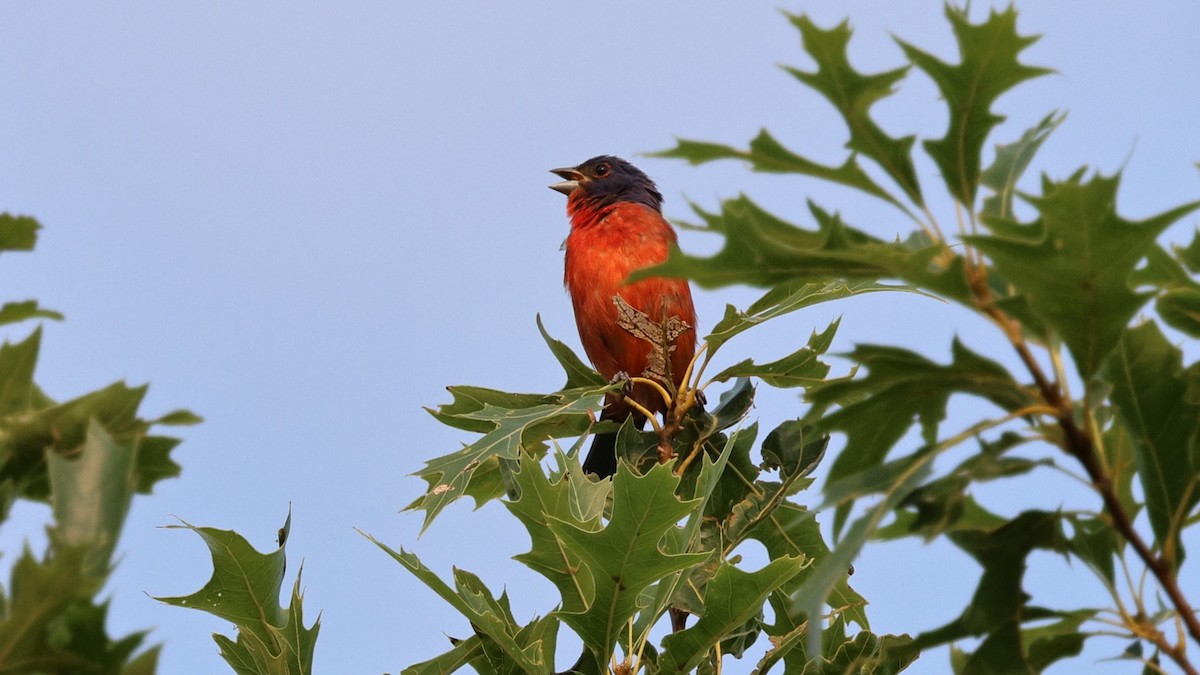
<point>86,457</point>
<point>1066,288</point>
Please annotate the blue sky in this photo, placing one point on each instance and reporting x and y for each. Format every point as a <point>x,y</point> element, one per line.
<point>303,221</point>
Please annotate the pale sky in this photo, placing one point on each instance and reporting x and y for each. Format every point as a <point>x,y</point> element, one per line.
<point>303,221</point>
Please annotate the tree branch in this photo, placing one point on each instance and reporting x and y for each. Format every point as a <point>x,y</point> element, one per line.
<point>1078,443</point>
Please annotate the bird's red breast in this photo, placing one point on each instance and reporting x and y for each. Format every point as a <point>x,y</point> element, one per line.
<point>607,243</point>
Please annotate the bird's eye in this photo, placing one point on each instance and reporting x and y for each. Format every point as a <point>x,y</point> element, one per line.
<point>601,170</point>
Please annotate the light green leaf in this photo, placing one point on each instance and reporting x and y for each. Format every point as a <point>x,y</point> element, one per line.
<point>988,68</point>
<point>17,362</point>
<point>830,572</point>
<point>462,654</point>
<point>244,589</point>
<point>1180,309</point>
<point>625,557</point>
<point>474,602</point>
<point>567,496</point>
<point>510,430</point>
<point>92,492</point>
<point>178,418</point>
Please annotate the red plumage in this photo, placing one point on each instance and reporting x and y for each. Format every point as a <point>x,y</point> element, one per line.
<point>617,228</point>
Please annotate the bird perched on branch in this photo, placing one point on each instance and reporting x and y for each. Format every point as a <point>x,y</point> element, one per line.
<point>617,227</point>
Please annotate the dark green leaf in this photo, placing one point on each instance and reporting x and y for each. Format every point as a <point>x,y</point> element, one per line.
<point>853,94</point>
<point>1010,163</point>
<point>1074,263</point>
<point>1180,309</point>
<point>988,68</point>
<point>768,155</point>
<point>12,312</point>
<point>999,604</point>
<point>1150,392</point>
<point>798,369</point>
<point>18,233</point>
<point>792,448</point>
<point>902,386</point>
<point>732,598</point>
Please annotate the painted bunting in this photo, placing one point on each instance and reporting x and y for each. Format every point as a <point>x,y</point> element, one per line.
<point>617,227</point>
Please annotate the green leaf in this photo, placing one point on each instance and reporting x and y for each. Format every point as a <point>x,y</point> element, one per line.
<point>1010,163</point>
<point>830,572</point>
<point>1150,391</point>
<point>476,603</point>
<point>179,418</point>
<point>509,430</point>
<point>1074,263</point>
<point>578,373</point>
<point>988,68</point>
<point>624,558</point>
<point>18,233</point>
<point>12,312</point>
<point>768,155</point>
<point>900,387</point>
<point>17,362</point>
<point>244,589</point>
<point>731,598</point>
<point>853,94</point>
<point>1180,309</point>
<point>41,593</point>
<point>792,448</point>
<point>1190,256</point>
<point>578,501</point>
<point>92,492</point>
<point>251,655</point>
<point>462,654</point>
<point>998,606</point>
<point>801,368</point>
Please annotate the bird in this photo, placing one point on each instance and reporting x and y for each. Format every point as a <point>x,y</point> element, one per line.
<point>617,227</point>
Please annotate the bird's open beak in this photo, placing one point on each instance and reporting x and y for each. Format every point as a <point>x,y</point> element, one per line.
<point>571,177</point>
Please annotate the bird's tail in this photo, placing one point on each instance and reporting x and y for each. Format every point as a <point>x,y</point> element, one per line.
<point>602,456</point>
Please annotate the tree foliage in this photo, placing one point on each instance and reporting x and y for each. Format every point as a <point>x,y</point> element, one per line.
<point>1068,287</point>
<point>86,457</point>
<point>647,564</point>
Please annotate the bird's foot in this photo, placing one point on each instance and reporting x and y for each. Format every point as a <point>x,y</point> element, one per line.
<point>621,377</point>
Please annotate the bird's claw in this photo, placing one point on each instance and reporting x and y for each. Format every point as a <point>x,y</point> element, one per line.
<point>621,377</point>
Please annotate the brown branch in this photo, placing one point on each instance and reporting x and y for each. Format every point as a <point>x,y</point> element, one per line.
<point>1078,443</point>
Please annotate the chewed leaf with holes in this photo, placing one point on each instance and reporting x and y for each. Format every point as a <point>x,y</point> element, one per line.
<point>244,589</point>
<point>510,422</point>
